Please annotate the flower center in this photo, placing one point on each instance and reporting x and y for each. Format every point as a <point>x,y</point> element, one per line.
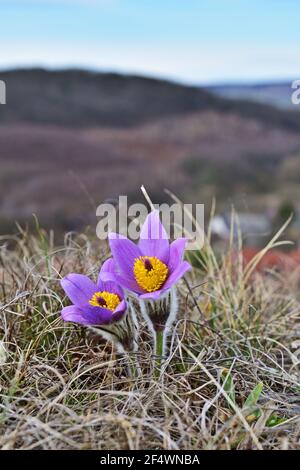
<point>105,299</point>
<point>150,273</point>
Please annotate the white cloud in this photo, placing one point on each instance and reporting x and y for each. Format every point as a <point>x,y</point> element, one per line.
<point>197,64</point>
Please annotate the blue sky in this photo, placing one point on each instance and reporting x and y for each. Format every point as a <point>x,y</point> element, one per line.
<point>193,41</point>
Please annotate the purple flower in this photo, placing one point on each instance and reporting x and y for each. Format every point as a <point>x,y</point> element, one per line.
<point>153,266</point>
<point>93,304</point>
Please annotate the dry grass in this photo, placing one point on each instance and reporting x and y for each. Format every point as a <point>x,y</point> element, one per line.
<point>62,387</point>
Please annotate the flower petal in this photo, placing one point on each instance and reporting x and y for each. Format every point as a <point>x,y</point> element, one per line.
<point>177,274</point>
<point>106,280</point>
<point>119,311</point>
<point>128,283</point>
<point>177,269</point>
<point>97,315</point>
<point>153,238</point>
<point>87,315</point>
<point>124,252</point>
<point>121,307</point>
<point>176,253</point>
<point>153,295</point>
<point>79,288</point>
<point>73,314</point>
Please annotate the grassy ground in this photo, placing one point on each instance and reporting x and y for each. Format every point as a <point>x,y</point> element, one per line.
<point>231,380</point>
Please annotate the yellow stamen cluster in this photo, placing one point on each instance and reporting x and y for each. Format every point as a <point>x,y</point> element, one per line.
<point>150,273</point>
<point>105,299</point>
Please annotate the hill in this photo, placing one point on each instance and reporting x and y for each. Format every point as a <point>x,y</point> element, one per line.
<point>275,94</point>
<point>70,139</point>
<point>79,98</point>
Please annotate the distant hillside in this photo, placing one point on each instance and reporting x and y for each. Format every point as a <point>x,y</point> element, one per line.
<point>62,174</point>
<point>77,98</point>
<point>275,94</point>
<point>71,139</point>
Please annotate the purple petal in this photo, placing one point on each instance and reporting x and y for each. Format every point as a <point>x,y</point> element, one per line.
<point>127,283</point>
<point>177,274</point>
<point>121,280</point>
<point>104,316</point>
<point>106,280</point>
<point>172,279</point>
<point>121,307</point>
<point>154,239</point>
<point>119,311</point>
<point>97,315</point>
<point>153,295</point>
<point>176,253</point>
<point>73,314</point>
<point>87,315</point>
<point>93,316</point>
<point>79,288</point>
<point>124,253</point>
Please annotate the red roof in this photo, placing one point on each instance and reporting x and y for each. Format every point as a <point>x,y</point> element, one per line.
<point>273,259</point>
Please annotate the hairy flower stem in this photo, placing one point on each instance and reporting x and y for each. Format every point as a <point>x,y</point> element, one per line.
<point>132,366</point>
<point>159,352</point>
<point>160,315</point>
<point>123,335</point>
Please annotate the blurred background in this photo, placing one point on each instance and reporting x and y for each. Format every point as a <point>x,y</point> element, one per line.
<point>106,95</point>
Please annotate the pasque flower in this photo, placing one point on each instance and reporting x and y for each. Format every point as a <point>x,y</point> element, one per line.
<point>151,270</point>
<point>93,304</point>
<point>152,267</point>
<point>101,305</point>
